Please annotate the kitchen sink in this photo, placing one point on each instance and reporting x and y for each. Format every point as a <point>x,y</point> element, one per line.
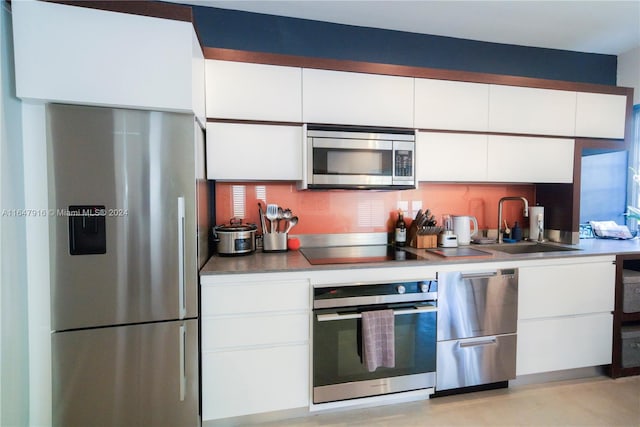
<point>528,248</point>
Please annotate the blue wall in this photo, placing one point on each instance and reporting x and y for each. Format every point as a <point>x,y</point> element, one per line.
<point>277,34</point>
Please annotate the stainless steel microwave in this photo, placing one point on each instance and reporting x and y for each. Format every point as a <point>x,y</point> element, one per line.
<point>361,158</point>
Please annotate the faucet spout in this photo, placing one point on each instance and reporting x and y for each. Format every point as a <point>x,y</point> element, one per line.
<point>525,213</point>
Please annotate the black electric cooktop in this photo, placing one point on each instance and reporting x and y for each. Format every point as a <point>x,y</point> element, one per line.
<point>356,254</point>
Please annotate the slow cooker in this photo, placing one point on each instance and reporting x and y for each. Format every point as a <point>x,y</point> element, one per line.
<point>235,238</point>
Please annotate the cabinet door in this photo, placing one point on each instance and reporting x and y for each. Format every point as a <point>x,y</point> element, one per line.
<point>451,157</point>
<point>254,152</point>
<point>356,98</point>
<point>442,104</point>
<point>531,111</point>
<point>566,290</point>
<point>529,159</point>
<point>236,383</point>
<point>557,343</point>
<point>600,115</point>
<point>237,90</point>
<point>86,56</point>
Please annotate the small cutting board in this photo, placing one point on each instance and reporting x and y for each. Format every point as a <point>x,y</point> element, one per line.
<point>460,252</point>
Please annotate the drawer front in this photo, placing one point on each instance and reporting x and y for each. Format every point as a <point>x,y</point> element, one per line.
<point>475,361</point>
<point>253,330</point>
<point>564,343</point>
<point>565,290</point>
<point>236,383</point>
<point>255,297</point>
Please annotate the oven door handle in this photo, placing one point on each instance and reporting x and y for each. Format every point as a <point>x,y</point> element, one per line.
<point>337,316</point>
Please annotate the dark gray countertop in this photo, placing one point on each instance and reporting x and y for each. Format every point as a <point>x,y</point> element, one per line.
<point>260,262</point>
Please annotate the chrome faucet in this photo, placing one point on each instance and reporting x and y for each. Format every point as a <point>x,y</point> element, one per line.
<point>526,213</point>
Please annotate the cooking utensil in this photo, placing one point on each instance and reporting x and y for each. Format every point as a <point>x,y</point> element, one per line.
<point>262,222</point>
<point>279,218</point>
<point>292,222</point>
<point>272,215</point>
<point>286,215</point>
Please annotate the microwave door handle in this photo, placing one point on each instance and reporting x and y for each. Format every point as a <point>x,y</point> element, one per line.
<point>337,316</point>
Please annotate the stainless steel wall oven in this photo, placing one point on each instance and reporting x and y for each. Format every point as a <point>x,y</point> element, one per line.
<point>339,371</point>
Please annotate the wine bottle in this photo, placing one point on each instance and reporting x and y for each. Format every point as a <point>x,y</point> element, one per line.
<point>401,230</point>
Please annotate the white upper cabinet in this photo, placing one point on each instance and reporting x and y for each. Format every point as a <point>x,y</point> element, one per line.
<point>451,157</point>
<point>531,110</point>
<point>450,105</point>
<point>243,91</point>
<point>240,152</point>
<point>81,55</point>
<point>493,158</point>
<point>600,115</point>
<point>530,159</point>
<point>356,99</point>
<point>198,80</point>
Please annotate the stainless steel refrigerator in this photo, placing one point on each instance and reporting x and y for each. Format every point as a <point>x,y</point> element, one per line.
<point>127,201</point>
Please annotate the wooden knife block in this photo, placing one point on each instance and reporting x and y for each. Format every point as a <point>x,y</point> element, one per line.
<point>422,241</point>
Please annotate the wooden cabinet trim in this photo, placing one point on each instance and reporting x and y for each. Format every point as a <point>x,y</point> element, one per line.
<point>177,12</point>
<point>619,319</point>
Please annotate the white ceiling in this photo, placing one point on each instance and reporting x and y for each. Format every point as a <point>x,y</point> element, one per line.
<point>609,27</point>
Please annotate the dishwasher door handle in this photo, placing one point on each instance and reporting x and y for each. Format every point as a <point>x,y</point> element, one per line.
<point>337,316</point>
<point>482,275</point>
<point>479,343</point>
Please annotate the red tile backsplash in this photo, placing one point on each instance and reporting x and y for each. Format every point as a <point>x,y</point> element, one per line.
<point>361,211</point>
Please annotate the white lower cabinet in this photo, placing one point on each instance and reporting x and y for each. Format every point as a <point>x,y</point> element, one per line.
<point>251,381</point>
<point>255,347</point>
<point>558,343</point>
<point>565,318</point>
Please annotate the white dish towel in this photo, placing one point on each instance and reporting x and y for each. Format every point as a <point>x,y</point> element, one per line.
<point>378,339</point>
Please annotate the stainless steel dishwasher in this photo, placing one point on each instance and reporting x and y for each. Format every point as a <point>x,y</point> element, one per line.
<point>476,332</point>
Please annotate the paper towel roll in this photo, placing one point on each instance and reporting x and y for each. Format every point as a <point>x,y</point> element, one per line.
<point>536,213</point>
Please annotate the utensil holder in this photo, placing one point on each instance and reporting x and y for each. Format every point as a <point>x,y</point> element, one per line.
<point>274,242</point>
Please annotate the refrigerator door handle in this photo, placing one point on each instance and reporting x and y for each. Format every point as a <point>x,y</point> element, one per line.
<point>183,361</point>
<point>181,259</point>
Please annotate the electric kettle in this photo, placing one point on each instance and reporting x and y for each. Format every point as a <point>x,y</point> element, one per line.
<point>462,228</point>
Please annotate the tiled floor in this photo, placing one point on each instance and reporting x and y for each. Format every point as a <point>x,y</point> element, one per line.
<point>597,401</point>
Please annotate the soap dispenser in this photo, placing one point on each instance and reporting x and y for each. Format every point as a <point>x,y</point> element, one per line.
<point>516,232</point>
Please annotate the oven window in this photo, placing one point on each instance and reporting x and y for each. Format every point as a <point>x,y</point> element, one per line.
<point>334,161</point>
<point>337,349</point>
